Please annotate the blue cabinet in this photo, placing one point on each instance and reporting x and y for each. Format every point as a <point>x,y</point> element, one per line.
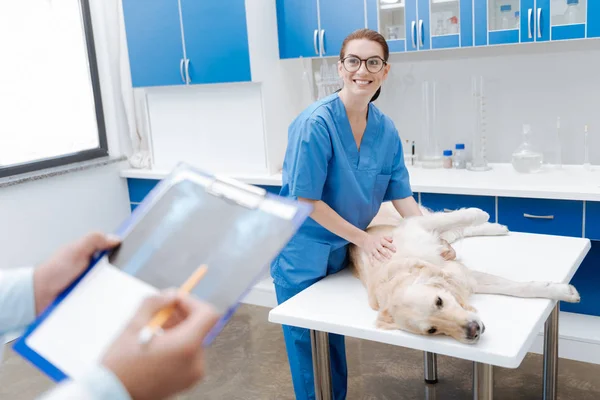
<point>543,216</point>
<point>311,28</point>
<point>513,21</point>
<point>592,220</point>
<point>298,28</point>
<point>586,281</point>
<point>185,42</point>
<point>154,42</point>
<point>335,27</point>
<point>416,25</point>
<point>451,202</point>
<point>216,41</point>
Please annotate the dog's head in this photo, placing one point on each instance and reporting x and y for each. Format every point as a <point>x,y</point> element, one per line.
<point>430,307</point>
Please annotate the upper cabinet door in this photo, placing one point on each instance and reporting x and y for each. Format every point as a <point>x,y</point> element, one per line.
<point>593,19</point>
<point>338,19</point>
<point>561,19</point>
<point>423,25</point>
<point>154,42</point>
<point>446,21</point>
<point>298,28</point>
<point>216,41</point>
<point>412,25</point>
<point>389,19</point>
<point>504,21</point>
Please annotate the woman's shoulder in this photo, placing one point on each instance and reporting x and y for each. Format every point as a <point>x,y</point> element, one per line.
<point>318,112</point>
<point>387,124</point>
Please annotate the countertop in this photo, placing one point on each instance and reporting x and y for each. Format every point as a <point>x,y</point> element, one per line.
<point>571,182</point>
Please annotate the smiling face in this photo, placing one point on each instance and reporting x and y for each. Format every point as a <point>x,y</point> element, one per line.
<point>363,67</point>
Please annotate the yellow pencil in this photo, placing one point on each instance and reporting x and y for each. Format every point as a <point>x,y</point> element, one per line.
<point>163,316</point>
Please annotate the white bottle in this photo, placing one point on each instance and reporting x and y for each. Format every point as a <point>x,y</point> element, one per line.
<point>572,12</point>
<point>505,20</point>
<point>460,160</point>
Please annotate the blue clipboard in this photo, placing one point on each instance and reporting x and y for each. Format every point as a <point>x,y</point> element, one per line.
<point>255,218</point>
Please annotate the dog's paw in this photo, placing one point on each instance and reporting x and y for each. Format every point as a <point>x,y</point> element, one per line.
<point>493,229</point>
<point>477,216</point>
<point>565,292</point>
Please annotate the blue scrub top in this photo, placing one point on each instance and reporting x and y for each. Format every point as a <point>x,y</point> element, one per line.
<point>322,162</point>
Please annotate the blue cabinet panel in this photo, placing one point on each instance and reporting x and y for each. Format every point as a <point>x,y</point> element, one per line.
<point>412,34</point>
<point>592,220</point>
<point>593,18</point>
<point>445,202</point>
<point>445,42</point>
<point>504,37</point>
<point>139,188</point>
<point>566,32</point>
<point>528,21</point>
<point>298,23</point>
<point>466,23</point>
<point>424,25</point>
<point>552,217</point>
<point>339,18</point>
<point>397,46</point>
<point>586,281</point>
<point>154,43</point>
<point>216,41</point>
<point>481,23</point>
<point>542,22</point>
<point>372,15</point>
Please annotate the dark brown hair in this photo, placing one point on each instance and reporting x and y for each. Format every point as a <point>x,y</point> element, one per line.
<point>372,35</point>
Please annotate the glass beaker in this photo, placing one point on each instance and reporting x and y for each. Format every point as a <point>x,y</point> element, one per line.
<point>431,156</point>
<point>526,159</point>
<point>478,149</point>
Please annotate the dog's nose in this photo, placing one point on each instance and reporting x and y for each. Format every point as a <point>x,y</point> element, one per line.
<point>473,330</point>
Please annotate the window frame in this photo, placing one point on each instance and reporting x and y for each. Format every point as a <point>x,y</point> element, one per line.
<point>83,155</point>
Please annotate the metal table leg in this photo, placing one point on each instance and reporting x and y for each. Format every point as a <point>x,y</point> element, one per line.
<point>321,365</point>
<point>430,392</point>
<point>551,355</point>
<point>483,381</point>
<point>430,367</point>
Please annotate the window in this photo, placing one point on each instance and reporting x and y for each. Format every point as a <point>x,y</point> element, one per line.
<point>50,105</point>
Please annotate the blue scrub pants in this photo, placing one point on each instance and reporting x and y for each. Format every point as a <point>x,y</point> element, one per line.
<point>299,351</point>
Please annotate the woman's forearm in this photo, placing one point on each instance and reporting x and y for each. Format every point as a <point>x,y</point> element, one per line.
<point>407,207</point>
<point>333,222</point>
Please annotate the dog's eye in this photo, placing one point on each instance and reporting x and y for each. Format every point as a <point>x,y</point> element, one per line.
<point>432,331</point>
<point>439,302</point>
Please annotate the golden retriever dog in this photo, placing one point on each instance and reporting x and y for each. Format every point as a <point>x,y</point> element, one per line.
<point>418,291</point>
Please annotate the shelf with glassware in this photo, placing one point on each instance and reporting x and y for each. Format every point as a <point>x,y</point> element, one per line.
<point>414,25</point>
<point>526,21</point>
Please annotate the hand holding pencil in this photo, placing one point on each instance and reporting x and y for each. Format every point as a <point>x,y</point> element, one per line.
<point>184,322</point>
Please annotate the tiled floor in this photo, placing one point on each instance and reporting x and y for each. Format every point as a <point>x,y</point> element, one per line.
<point>248,361</point>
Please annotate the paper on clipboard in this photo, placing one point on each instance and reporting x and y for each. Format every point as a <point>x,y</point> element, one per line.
<point>187,220</point>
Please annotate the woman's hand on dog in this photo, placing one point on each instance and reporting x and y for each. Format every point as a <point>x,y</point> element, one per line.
<point>448,253</point>
<point>378,247</point>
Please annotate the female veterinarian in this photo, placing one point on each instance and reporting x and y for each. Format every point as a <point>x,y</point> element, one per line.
<point>345,157</point>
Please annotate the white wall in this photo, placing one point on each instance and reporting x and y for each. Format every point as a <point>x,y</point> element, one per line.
<point>39,216</point>
<point>232,128</point>
<point>531,84</point>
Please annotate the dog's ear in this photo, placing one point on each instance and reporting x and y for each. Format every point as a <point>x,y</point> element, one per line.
<point>385,320</point>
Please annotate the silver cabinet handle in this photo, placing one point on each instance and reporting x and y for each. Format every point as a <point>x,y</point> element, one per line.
<point>539,22</point>
<point>413,33</point>
<point>181,70</point>
<point>187,70</point>
<point>323,41</point>
<point>421,33</point>
<point>538,216</point>
<point>529,15</point>
<point>315,41</point>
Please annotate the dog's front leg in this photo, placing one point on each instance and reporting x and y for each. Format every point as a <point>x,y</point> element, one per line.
<point>442,222</point>
<point>492,284</point>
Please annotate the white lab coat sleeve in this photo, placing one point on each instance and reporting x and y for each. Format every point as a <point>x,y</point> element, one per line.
<point>98,383</point>
<point>17,301</point>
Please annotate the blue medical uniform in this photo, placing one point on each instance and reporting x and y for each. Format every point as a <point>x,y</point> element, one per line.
<point>322,162</point>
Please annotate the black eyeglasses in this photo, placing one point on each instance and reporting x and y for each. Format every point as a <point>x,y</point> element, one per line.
<point>374,64</point>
